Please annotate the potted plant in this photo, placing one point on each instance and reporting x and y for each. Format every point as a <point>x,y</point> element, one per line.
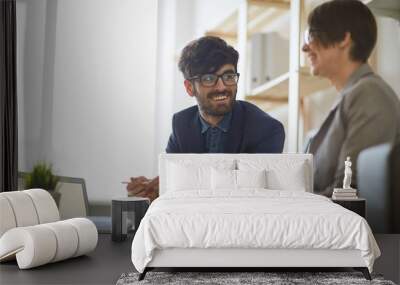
<point>42,177</point>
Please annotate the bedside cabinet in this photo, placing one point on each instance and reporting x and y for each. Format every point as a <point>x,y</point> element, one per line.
<point>358,205</point>
<point>122,209</point>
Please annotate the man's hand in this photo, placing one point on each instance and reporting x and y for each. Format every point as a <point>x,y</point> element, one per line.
<point>143,187</point>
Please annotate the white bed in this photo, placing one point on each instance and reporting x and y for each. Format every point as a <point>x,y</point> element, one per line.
<point>244,210</point>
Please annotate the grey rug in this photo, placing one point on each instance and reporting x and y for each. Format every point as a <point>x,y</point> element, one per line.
<point>229,278</point>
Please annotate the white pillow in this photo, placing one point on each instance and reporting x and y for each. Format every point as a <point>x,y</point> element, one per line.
<point>181,178</point>
<point>236,179</point>
<point>282,174</point>
<point>223,179</point>
<point>294,180</point>
<point>193,175</point>
<point>251,178</point>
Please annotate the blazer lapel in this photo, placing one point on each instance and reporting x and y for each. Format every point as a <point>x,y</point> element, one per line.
<point>236,129</point>
<point>319,136</point>
<point>196,140</point>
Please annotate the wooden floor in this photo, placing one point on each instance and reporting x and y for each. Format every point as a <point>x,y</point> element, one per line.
<point>102,266</point>
<point>111,259</point>
<point>389,262</point>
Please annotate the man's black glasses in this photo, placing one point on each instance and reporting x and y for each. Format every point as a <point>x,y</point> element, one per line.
<point>210,80</point>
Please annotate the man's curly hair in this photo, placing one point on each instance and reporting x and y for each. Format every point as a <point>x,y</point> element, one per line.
<point>206,55</point>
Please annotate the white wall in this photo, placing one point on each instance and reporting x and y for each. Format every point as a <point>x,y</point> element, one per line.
<point>174,29</point>
<point>94,96</point>
<point>388,51</point>
<point>165,78</point>
<point>209,13</point>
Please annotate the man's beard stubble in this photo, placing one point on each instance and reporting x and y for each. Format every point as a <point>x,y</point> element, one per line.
<point>207,107</point>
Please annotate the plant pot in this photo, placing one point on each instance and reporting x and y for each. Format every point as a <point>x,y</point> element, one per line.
<point>56,196</point>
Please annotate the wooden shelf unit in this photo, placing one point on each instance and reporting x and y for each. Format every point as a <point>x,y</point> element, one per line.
<point>260,14</point>
<point>278,88</point>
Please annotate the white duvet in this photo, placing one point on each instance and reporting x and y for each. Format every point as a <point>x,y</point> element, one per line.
<point>250,219</point>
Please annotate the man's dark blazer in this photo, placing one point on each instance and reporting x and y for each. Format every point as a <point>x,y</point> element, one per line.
<point>251,131</point>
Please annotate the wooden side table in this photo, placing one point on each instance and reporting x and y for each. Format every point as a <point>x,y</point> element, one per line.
<point>358,205</point>
<point>121,209</point>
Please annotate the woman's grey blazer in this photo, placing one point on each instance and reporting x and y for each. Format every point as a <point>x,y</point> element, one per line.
<point>367,114</point>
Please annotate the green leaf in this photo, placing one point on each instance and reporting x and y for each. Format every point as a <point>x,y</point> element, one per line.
<point>41,177</point>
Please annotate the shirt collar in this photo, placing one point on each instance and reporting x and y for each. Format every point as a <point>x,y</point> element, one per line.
<point>223,125</point>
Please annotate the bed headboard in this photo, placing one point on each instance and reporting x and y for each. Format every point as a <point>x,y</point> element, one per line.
<point>289,158</point>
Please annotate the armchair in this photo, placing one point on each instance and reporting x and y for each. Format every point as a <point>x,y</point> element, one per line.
<point>378,181</point>
<point>31,231</point>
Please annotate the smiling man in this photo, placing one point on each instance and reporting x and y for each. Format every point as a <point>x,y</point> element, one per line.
<point>218,123</point>
<point>340,38</point>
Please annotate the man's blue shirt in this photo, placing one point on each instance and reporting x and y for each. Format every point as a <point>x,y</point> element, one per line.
<point>215,137</point>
